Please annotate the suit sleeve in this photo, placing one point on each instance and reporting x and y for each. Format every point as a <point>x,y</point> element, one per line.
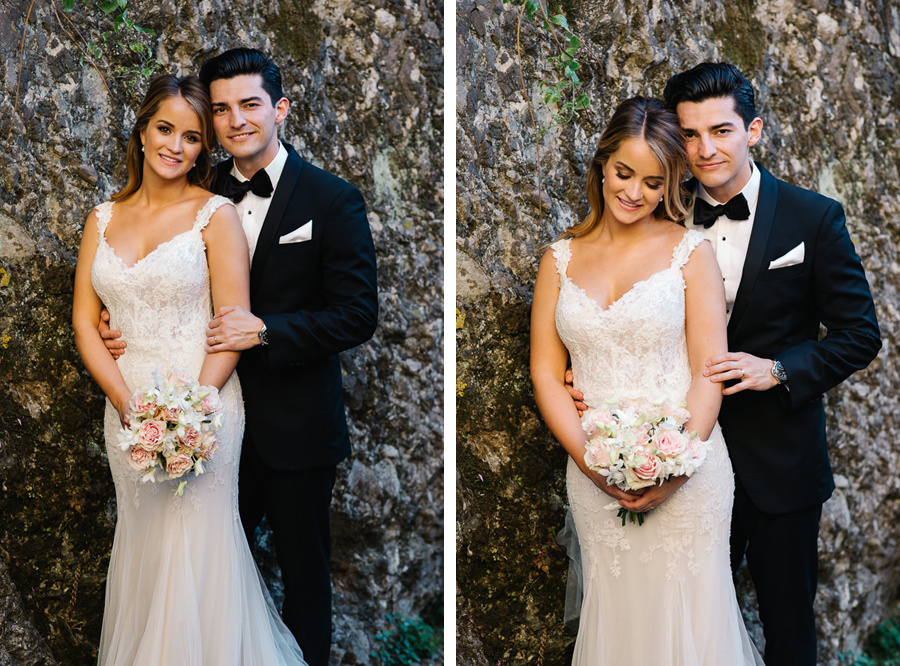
<point>349,280</point>
<point>844,305</point>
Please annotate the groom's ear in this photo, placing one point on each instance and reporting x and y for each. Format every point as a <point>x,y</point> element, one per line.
<point>281,109</point>
<point>755,130</point>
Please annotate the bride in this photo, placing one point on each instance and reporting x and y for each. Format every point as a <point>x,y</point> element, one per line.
<point>182,586</point>
<point>637,302</point>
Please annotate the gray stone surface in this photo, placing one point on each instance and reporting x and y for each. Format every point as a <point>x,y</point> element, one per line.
<point>365,82</point>
<point>828,77</point>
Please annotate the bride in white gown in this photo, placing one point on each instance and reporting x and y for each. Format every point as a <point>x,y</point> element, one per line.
<point>638,305</point>
<point>182,588</point>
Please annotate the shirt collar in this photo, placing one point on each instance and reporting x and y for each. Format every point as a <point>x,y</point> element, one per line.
<point>274,169</point>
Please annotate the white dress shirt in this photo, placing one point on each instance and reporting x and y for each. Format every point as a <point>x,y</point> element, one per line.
<point>730,238</point>
<point>253,208</point>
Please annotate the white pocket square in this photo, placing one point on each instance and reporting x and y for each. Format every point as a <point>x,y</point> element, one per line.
<point>298,235</point>
<point>792,258</point>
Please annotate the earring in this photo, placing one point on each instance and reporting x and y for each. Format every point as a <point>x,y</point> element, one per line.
<point>142,148</point>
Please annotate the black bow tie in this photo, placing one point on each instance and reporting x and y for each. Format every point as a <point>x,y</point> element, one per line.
<point>707,214</point>
<point>235,189</point>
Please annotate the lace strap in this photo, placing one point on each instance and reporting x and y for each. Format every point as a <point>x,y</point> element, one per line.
<point>211,206</point>
<point>563,254</point>
<point>104,215</point>
<point>686,245</point>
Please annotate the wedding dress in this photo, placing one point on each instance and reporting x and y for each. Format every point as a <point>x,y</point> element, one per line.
<point>183,588</point>
<point>659,594</point>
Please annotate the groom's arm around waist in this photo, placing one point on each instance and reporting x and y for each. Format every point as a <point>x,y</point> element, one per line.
<point>341,311</point>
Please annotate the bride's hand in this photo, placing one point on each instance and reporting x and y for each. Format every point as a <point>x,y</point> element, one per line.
<point>612,490</point>
<point>122,406</point>
<point>653,496</point>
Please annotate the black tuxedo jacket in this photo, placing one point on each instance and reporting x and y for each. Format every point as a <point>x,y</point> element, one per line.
<point>317,298</point>
<point>776,438</point>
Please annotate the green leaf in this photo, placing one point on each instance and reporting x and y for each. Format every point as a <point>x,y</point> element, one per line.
<point>561,21</point>
<point>582,102</point>
<point>530,8</point>
<point>109,6</point>
<point>68,5</point>
<point>137,47</point>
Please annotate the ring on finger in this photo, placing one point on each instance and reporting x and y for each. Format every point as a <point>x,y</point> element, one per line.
<point>215,339</point>
<point>742,372</point>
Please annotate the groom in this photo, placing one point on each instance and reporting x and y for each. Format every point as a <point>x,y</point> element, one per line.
<point>789,265</point>
<point>313,295</point>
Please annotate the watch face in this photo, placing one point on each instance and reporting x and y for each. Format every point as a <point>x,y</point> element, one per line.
<point>778,371</point>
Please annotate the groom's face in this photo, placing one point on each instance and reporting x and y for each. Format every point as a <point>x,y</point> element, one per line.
<point>245,119</point>
<point>718,144</point>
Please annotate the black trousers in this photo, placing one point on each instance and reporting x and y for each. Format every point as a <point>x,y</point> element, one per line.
<point>297,507</point>
<point>783,558</point>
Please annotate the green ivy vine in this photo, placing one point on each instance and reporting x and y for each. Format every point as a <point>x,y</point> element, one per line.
<point>564,96</point>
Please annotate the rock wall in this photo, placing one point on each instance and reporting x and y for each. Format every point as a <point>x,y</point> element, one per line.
<point>365,82</point>
<point>827,76</point>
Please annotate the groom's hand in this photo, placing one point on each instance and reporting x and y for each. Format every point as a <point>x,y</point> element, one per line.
<point>110,336</point>
<point>577,395</point>
<point>750,372</point>
<point>232,329</point>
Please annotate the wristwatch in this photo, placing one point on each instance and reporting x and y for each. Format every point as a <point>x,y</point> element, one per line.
<point>263,335</point>
<point>778,372</point>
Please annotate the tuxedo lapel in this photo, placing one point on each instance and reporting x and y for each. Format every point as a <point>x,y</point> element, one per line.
<point>759,238</point>
<point>269,232</point>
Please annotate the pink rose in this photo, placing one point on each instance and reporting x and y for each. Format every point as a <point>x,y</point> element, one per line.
<point>597,454</point>
<point>178,378</point>
<point>191,439</point>
<point>179,464</point>
<point>151,435</point>
<point>671,443</point>
<point>171,414</point>
<point>698,449</point>
<point>140,458</point>
<point>141,404</point>
<point>647,465</point>
<point>209,446</point>
<point>212,402</point>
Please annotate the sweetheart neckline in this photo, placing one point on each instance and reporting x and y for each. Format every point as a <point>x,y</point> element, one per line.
<point>159,245</point>
<point>620,298</point>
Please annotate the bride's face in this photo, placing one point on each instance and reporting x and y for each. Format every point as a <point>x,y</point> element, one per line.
<point>633,182</point>
<point>172,139</point>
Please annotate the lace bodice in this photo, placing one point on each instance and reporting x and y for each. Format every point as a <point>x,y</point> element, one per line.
<point>162,305</point>
<point>161,311</point>
<point>636,347</point>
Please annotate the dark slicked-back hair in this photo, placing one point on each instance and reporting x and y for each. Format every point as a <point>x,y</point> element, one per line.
<point>237,62</point>
<point>712,80</point>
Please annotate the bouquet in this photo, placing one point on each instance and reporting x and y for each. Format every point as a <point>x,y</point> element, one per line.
<point>172,427</point>
<point>638,443</point>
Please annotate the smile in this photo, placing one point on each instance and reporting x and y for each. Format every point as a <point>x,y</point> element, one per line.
<point>238,137</point>
<point>711,165</point>
<point>627,205</point>
<point>169,160</point>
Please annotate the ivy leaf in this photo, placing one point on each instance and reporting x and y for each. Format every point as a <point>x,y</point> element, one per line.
<point>109,6</point>
<point>561,21</point>
<point>530,8</point>
<point>582,102</point>
<point>68,5</point>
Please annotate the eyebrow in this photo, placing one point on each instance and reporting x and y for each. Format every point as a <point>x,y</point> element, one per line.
<point>727,123</point>
<point>168,124</point>
<point>255,98</point>
<point>625,167</point>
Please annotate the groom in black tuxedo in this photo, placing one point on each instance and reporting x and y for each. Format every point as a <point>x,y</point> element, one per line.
<point>313,295</point>
<point>789,265</point>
